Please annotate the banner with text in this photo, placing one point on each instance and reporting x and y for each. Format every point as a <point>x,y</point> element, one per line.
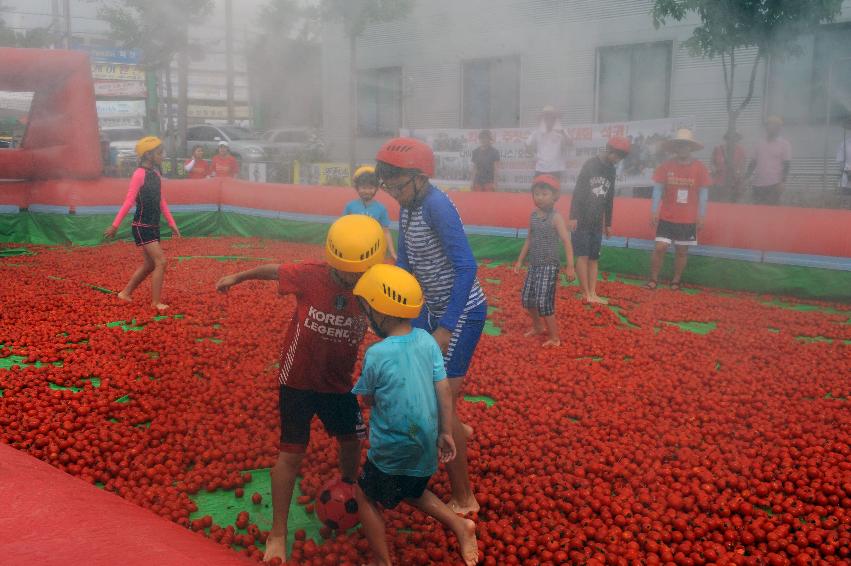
<point>122,89</point>
<point>453,151</point>
<point>117,72</point>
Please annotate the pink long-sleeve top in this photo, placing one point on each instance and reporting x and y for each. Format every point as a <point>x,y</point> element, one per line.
<point>145,192</point>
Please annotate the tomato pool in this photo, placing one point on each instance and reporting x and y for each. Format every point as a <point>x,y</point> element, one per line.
<point>691,427</point>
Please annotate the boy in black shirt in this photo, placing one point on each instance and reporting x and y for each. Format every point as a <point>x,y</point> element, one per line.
<point>591,213</point>
<point>485,158</point>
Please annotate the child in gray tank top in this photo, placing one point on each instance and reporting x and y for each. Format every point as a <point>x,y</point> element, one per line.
<point>546,228</point>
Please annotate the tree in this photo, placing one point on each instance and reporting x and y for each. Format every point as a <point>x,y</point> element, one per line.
<point>730,26</point>
<point>160,29</point>
<point>355,15</point>
<point>36,37</point>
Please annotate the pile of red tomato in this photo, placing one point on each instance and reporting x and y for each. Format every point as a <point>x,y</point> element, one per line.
<point>636,442</point>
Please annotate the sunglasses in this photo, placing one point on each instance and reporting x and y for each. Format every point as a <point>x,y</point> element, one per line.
<point>396,189</point>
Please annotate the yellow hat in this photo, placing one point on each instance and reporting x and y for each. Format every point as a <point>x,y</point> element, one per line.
<point>355,243</point>
<point>146,144</point>
<point>390,290</point>
<point>774,119</point>
<point>363,170</point>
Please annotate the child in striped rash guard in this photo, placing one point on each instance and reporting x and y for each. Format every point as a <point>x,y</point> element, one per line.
<point>434,248</point>
<point>546,228</point>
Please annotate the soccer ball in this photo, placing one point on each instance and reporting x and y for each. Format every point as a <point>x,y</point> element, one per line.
<point>336,505</point>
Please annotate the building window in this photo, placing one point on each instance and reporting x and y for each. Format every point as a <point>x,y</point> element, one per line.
<point>380,101</point>
<point>798,85</point>
<point>491,89</point>
<point>633,82</point>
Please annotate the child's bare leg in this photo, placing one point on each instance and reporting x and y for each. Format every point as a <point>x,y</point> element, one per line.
<point>552,331</point>
<point>155,252</point>
<point>582,273</point>
<point>144,270</point>
<point>349,457</point>
<point>464,529</point>
<point>657,259</point>
<point>592,283</point>
<point>680,259</point>
<point>463,500</point>
<point>283,483</point>
<point>537,325</point>
<point>372,524</point>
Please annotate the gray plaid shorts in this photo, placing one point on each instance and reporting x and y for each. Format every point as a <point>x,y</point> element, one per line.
<point>539,289</point>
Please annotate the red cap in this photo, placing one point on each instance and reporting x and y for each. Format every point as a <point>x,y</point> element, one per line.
<point>407,153</point>
<point>619,143</point>
<point>548,180</point>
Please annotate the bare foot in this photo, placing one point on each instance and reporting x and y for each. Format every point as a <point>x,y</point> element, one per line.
<point>467,543</point>
<point>125,297</point>
<point>471,506</point>
<point>160,306</point>
<point>276,547</point>
<point>551,343</point>
<point>534,332</point>
<point>598,300</point>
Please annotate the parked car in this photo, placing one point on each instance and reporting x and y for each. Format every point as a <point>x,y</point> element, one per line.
<point>244,144</point>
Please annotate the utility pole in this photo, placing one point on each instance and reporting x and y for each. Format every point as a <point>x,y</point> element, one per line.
<point>66,11</point>
<point>229,56</point>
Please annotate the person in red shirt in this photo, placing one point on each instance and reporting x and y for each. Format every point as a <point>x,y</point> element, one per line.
<point>224,164</point>
<point>197,167</point>
<point>682,186</point>
<point>319,355</point>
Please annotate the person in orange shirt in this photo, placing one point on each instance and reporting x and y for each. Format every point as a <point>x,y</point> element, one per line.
<point>224,164</point>
<point>197,167</point>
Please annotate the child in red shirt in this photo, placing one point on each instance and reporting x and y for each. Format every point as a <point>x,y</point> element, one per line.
<point>224,164</point>
<point>197,167</point>
<point>318,356</point>
<point>682,186</point>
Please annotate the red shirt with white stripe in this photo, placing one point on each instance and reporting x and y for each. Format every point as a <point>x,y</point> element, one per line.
<point>321,347</point>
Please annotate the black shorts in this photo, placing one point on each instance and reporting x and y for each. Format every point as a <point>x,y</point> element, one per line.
<point>339,412</point>
<point>587,243</point>
<point>144,235</point>
<point>677,234</point>
<point>387,490</point>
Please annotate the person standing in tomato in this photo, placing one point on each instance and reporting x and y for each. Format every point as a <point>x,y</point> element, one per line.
<point>682,187</point>
<point>224,164</point>
<point>197,167</point>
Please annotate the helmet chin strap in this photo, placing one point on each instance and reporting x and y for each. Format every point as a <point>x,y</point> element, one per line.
<point>418,195</point>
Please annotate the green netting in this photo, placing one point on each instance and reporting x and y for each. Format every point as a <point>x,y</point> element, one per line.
<point>735,275</point>
<point>223,506</point>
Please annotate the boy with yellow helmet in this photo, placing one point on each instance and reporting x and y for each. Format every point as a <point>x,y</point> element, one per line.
<point>367,186</point>
<point>318,355</point>
<point>145,192</point>
<point>410,425</point>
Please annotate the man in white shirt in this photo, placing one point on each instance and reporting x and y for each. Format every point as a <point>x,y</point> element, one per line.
<point>770,165</point>
<point>843,158</point>
<point>549,142</point>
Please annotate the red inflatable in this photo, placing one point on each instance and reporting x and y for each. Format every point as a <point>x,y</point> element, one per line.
<point>62,137</point>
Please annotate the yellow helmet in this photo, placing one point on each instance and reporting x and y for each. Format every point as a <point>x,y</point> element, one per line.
<point>146,144</point>
<point>355,243</point>
<point>390,290</point>
<point>363,169</point>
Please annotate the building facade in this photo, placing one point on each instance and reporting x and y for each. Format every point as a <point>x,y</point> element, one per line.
<point>496,63</point>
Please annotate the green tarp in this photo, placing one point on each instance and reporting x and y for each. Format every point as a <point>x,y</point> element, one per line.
<point>804,282</point>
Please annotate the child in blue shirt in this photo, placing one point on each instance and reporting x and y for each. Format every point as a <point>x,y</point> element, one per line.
<point>410,426</point>
<point>367,186</point>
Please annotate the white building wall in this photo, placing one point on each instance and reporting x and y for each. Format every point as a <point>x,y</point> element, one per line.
<point>556,41</point>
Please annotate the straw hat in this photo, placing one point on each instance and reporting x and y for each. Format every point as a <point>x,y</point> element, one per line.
<point>549,109</point>
<point>774,119</point>
<point>684,135</point>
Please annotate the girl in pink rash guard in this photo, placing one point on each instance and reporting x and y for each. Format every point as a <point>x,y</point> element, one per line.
<point>145,193</point>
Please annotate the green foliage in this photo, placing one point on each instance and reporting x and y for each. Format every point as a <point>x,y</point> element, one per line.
<point>769,25</point>
<point>36,37</point>
<point>157,27</point>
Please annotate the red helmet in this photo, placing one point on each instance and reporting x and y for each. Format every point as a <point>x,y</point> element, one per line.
<point>407,153</point>
<point>548,180</point>
<point>619,143</point>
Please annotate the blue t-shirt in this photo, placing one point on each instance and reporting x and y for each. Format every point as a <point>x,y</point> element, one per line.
<point>399,372</point>
<point>374,210</point>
